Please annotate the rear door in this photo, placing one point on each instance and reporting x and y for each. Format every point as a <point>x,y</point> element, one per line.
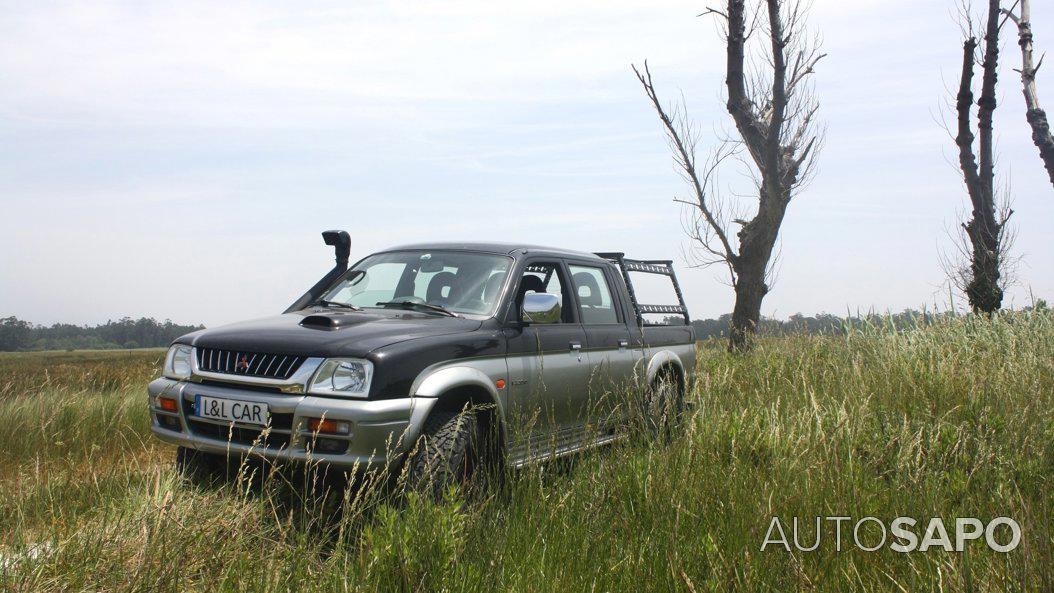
<point>610,352</point>
<point>548,368</point>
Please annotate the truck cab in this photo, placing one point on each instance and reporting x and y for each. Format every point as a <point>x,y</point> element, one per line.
<point>429,357</point>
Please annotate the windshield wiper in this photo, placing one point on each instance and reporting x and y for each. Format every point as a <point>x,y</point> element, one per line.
<point>326,303</point>
<point>412,304</point>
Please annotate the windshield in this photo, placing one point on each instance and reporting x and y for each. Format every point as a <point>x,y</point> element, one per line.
<point>456,281</point>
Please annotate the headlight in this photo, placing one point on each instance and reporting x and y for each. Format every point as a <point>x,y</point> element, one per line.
<point>177,363</point>
<point>343,377</point>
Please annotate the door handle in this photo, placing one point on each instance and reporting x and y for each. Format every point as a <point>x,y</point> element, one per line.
<point>622,344</point>
<point>576,346</point>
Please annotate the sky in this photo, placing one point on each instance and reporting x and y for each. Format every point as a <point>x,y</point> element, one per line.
<point>179,160</point>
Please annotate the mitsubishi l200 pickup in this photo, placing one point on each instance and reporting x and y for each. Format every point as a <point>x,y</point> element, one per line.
<point>434,357</point>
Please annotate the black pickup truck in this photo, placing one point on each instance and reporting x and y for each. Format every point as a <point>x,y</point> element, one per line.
<point>414,354</point>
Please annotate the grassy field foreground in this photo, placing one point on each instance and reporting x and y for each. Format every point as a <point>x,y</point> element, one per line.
<point>954,420</point>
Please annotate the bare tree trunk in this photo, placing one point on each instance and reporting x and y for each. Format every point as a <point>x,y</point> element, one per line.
<point>746,314</point>
<point>984,229</point>
<point>1034,114</point>
<point>757,240</point>
<point>775,125</point>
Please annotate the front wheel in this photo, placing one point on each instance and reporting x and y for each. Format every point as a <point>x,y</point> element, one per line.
<point>446,454</point>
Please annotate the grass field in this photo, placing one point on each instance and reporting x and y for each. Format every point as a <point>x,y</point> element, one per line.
<point>953,420</point>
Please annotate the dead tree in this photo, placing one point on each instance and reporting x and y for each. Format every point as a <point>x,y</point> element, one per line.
<point>1037,118</point>
<point>773,106</point>
<point>985,230</point>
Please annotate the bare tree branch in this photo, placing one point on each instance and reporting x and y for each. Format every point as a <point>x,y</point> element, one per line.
<point>684,147</point>
<point>985,229</point>
<point>987,104</point>
<point>1034,114</point>
<point>742,109</point>
<point>963,105</point>
<point>774,112</point>
<point>714,11</point>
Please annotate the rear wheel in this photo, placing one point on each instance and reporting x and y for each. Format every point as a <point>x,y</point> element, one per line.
<point>663,406</point>
<point>200,467</point>
<point>448,453</point>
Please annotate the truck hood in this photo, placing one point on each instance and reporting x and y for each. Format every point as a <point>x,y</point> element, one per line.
<point>328,332</point>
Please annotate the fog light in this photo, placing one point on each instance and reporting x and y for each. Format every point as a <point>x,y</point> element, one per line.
<point>168,404</point>
<point>329,426</point>
<point>169,422</point>
<point>325,445</point>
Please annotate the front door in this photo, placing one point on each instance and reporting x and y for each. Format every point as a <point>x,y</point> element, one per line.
<point>548,370</point>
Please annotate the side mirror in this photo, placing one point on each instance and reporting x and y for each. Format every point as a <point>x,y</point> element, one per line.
<point>541,307</point>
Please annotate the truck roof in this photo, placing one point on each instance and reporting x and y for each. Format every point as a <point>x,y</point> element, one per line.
<point>503,248</point>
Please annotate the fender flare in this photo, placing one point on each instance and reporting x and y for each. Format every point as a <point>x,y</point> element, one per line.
<point>661,359</point>
<point>436,382</point>
<point>431,384</point>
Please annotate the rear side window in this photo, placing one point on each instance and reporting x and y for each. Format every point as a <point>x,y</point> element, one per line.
<point>594,295</point>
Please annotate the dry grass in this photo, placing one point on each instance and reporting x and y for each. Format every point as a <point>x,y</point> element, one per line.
<point>951,420</point>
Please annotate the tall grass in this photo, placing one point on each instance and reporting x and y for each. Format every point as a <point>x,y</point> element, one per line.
<point>74,407</point>
<point>951,420</point>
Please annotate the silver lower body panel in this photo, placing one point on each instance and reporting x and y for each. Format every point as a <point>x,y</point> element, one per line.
<point>381,430</point>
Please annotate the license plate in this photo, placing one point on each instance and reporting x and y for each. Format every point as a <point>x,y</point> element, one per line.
<point>232,410</point>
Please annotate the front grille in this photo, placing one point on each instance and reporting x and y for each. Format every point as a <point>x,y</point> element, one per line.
<point>248,364</point>
<point>281,426</point>
<point>240,435</point>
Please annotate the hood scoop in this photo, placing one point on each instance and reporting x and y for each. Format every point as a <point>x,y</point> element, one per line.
<point>332,321</point>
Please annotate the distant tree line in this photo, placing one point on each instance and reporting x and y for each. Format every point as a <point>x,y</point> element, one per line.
<point>17,334</point>
<point>820,324</point>
<point>125,333</point>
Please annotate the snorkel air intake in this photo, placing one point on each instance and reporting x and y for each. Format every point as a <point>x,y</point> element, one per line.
<point>341,242</point>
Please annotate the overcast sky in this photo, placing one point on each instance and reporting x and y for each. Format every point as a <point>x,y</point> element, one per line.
<point>178,160</point>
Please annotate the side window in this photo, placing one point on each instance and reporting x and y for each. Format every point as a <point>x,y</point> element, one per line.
<point>544,277</point>
<point>594,295</point>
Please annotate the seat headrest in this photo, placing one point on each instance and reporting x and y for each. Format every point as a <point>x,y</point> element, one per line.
<point>490,291</point>
<point>442,280</point>
<point>531,283</point>
<point>588,289</point>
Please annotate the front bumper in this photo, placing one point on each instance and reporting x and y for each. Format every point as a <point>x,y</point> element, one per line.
<point>381,430</point>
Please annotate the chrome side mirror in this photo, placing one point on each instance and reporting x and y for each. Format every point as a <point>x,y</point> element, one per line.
<point>541,307</point>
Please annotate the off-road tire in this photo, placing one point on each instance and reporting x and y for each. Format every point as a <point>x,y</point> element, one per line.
<point>200,467</point>
<point>446,454</point>
<point>663,407</point>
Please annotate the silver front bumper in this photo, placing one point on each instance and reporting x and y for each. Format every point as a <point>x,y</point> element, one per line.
<point>380,430</point>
